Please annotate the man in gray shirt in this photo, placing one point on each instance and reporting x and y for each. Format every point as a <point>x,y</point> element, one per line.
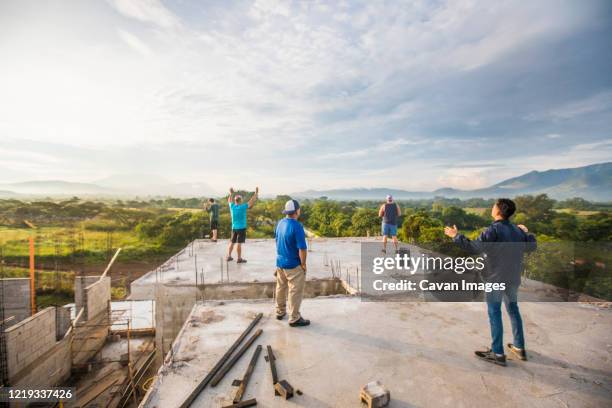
<point>390,212</point>
<point>213,213</point>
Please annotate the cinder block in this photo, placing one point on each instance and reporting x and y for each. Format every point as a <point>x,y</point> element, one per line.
<point>375,395</point>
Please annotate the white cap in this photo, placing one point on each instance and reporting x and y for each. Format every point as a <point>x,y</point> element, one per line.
<point>291,207</point>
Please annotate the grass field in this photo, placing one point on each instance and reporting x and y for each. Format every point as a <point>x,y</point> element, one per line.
<point>75,250</point>
<point>579,213</point>
<point>52,288</point>
<point>63,241</point>
<point>476,210</point>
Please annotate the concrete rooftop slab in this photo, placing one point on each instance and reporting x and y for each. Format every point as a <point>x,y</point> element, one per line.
<point>422,352</point>
<point>325,256</point>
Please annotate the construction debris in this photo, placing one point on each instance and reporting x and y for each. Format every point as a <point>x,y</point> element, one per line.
<point>375,395</point>
<point>247,376</point>
<point>243,404</point>
<point>234,359</point>
<point>194,394</point>
<point>282,387</point>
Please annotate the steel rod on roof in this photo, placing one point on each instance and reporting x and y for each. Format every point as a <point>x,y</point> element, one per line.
<point>217,379</point>
<point>247,375</point>
<point>198,389</point>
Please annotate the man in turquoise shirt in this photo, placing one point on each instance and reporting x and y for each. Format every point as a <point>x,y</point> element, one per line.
<point>238,210</point>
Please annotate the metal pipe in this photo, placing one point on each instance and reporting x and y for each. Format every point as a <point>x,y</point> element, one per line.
<point>247,375</point>
<point>198,389</point>
<point>217,379</point>
<point>272,365</point>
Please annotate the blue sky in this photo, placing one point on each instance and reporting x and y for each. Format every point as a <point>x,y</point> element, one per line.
<point>299,95</point>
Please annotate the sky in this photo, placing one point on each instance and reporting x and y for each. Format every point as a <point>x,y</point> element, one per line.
<point>297,95</point>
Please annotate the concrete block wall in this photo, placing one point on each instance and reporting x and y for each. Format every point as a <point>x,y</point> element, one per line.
<point>63,321</point>
<point>29,340</point>
<point>80,283</point>
<point>16,298</point>
<point>92,329</point>
<point>97,296</point>
<point>51,369</point>
<point>173,305</point>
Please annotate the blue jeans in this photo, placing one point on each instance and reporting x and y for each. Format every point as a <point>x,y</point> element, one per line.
<point>494,300</point>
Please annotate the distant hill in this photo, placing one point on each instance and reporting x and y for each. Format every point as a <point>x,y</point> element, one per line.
<point>592,182</point>
<point>55,188</point>
<point>121,185</point>
<point>152,185</point>
<point>8,194</point>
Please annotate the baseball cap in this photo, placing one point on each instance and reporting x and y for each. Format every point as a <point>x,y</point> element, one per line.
<point>389,197</point>
<point>291,207</point>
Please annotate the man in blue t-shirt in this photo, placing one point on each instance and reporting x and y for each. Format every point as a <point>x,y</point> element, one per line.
<point>291,253</point>
<point>238,210</point>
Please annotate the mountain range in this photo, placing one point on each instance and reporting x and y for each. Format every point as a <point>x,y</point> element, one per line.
<point>118,185</point>
<point>593,182</point>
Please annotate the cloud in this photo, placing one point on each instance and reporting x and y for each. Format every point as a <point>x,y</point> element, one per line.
<point>262,8</point>
<point>463,179</point>
<point>340,91</point>
<point>599,102</point>
<point>134,42</point>
<point>376,151</point>
<point>149,11</point>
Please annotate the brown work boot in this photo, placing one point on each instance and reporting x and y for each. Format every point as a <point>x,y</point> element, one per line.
<point>520,353</point>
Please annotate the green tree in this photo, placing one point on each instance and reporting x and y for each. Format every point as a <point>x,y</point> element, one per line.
<point>321,216</point>
<point>596,227</point>
<point>536,208</point>
<point>365,221</point>
<point>565,226</point>
<point>415,223</point>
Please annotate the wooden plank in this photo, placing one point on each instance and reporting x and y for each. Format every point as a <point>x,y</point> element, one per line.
<point>93,392</point>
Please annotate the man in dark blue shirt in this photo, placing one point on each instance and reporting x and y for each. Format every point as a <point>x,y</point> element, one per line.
<point>504,245</point>
<point>291,254</point>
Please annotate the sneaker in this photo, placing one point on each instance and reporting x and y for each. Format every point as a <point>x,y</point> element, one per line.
<point>241,260</point>
<point>280,316</point>
<point>520,353</point>
<point>300,322</point>
<point>490,357</point>
<point>229,258</point>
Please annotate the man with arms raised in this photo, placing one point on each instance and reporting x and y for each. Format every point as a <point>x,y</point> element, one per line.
<point>290,265</point>
<point>504,245</point>
<point>238,210</point>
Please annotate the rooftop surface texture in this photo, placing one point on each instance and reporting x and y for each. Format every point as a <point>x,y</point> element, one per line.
<point>326,257</point>
<point>422,352</point>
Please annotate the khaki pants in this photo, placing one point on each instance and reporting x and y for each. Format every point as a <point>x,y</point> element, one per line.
<point>292,281</point>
